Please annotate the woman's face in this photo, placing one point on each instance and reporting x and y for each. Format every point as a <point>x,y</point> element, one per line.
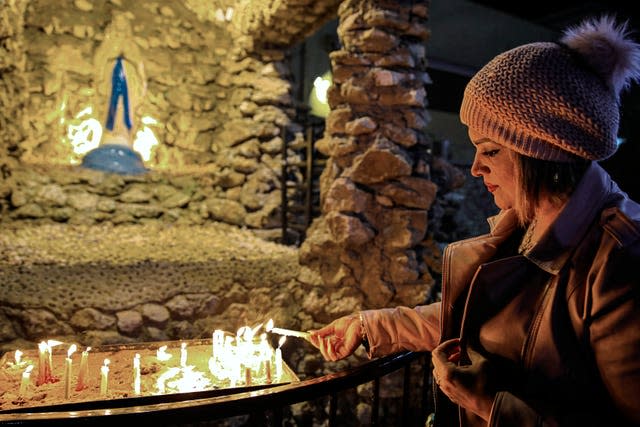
<point>496,165</point>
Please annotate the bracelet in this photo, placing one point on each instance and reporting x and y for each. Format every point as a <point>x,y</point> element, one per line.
<point>363,337</point>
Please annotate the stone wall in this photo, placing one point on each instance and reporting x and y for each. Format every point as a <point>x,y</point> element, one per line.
<point>281,23</point>
<point>13,84</point>
<point>215,108</point>
<point>84,196</point>
<point>376,187</point>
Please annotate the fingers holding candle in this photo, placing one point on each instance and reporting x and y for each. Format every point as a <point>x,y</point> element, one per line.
<point>338,339</point>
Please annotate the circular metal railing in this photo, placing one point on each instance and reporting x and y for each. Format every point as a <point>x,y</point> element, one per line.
<point>268,402</point>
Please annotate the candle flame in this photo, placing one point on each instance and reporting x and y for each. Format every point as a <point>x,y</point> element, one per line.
<point>269,325</point>
<point>248,334</point>
<point>162,354</point>
<point>218,337</point>
<point>181,380</point>
<point>281,341</point>
<point>106,363</point>
<point>53,343</point>
<point>88,348</point>
<point>255,330</point>
<point>28,369</point>
<point>146,141</point>
<point>18,356</point>
<point>71,350</point>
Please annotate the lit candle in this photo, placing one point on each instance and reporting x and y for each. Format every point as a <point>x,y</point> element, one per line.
<point>247,375</point>
<point>42,363</point>
<point>136,374</point>
<point>248,334</point>
<point>291,333</point>
<point>265,356</point>
<point>49,362</point>
<point>104,378</point>
<point>183,355</point>
<point>286,332</point>
<point>83,373</point>
<point>25,379</point>
<point>162,354</point>
<point>217,341</point>
<point>44,367</point>
<point>267,370</point>
<point>279,357</point>
<point>256,329</point>
<point>67,371</point>
<point>18,357</point>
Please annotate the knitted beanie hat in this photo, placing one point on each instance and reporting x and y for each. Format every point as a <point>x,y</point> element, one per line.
<point>555,101</point>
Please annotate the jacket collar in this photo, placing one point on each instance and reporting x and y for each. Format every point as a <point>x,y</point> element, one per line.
<point>554,248</point>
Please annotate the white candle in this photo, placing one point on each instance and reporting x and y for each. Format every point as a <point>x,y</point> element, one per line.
<point>183,355</point>
<point>278,363</point>
<point>25,379</point>
<point>18,357</point>
<point>44,358</point>
<point>104,378</point>
<point>49,363</point>
<point>290,333</point>
<point>279,358</point>
<point>83,372</point>
<point>42,363</point>
<point>247,375</point>
<point>217,350</point>
<point>67,371</point>
<point>136,374</point>
<point>162,354</point>
<point>267,370</point>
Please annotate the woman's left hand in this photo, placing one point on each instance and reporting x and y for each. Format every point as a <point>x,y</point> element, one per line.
<point>467,386</point>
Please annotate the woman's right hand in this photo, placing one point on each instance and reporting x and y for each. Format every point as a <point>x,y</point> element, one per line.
<point>339,338</point>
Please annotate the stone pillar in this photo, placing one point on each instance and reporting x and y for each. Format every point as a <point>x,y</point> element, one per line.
<point>376,188</point>
<point>13,84</point>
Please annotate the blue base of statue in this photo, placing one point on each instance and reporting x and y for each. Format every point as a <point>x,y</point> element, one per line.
<point>114,158</point>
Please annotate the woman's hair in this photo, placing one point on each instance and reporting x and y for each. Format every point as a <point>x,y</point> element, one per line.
<point>538,179</point>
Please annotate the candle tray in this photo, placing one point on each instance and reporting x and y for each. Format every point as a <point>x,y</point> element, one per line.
<point>194,380</point>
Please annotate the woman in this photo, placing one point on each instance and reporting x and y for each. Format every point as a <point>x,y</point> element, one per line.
<point>539,322</point>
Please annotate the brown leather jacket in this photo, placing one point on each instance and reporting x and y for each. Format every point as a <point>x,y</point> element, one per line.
<point>560,324</point>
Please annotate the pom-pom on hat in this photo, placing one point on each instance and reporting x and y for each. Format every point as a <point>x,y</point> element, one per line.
<point>556,101</point>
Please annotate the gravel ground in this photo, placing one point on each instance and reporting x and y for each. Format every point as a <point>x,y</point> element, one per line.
<point>74,244</point>
<point>64,268</point>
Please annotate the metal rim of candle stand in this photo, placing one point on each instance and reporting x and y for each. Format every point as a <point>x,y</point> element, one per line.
<point>219,407</point>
